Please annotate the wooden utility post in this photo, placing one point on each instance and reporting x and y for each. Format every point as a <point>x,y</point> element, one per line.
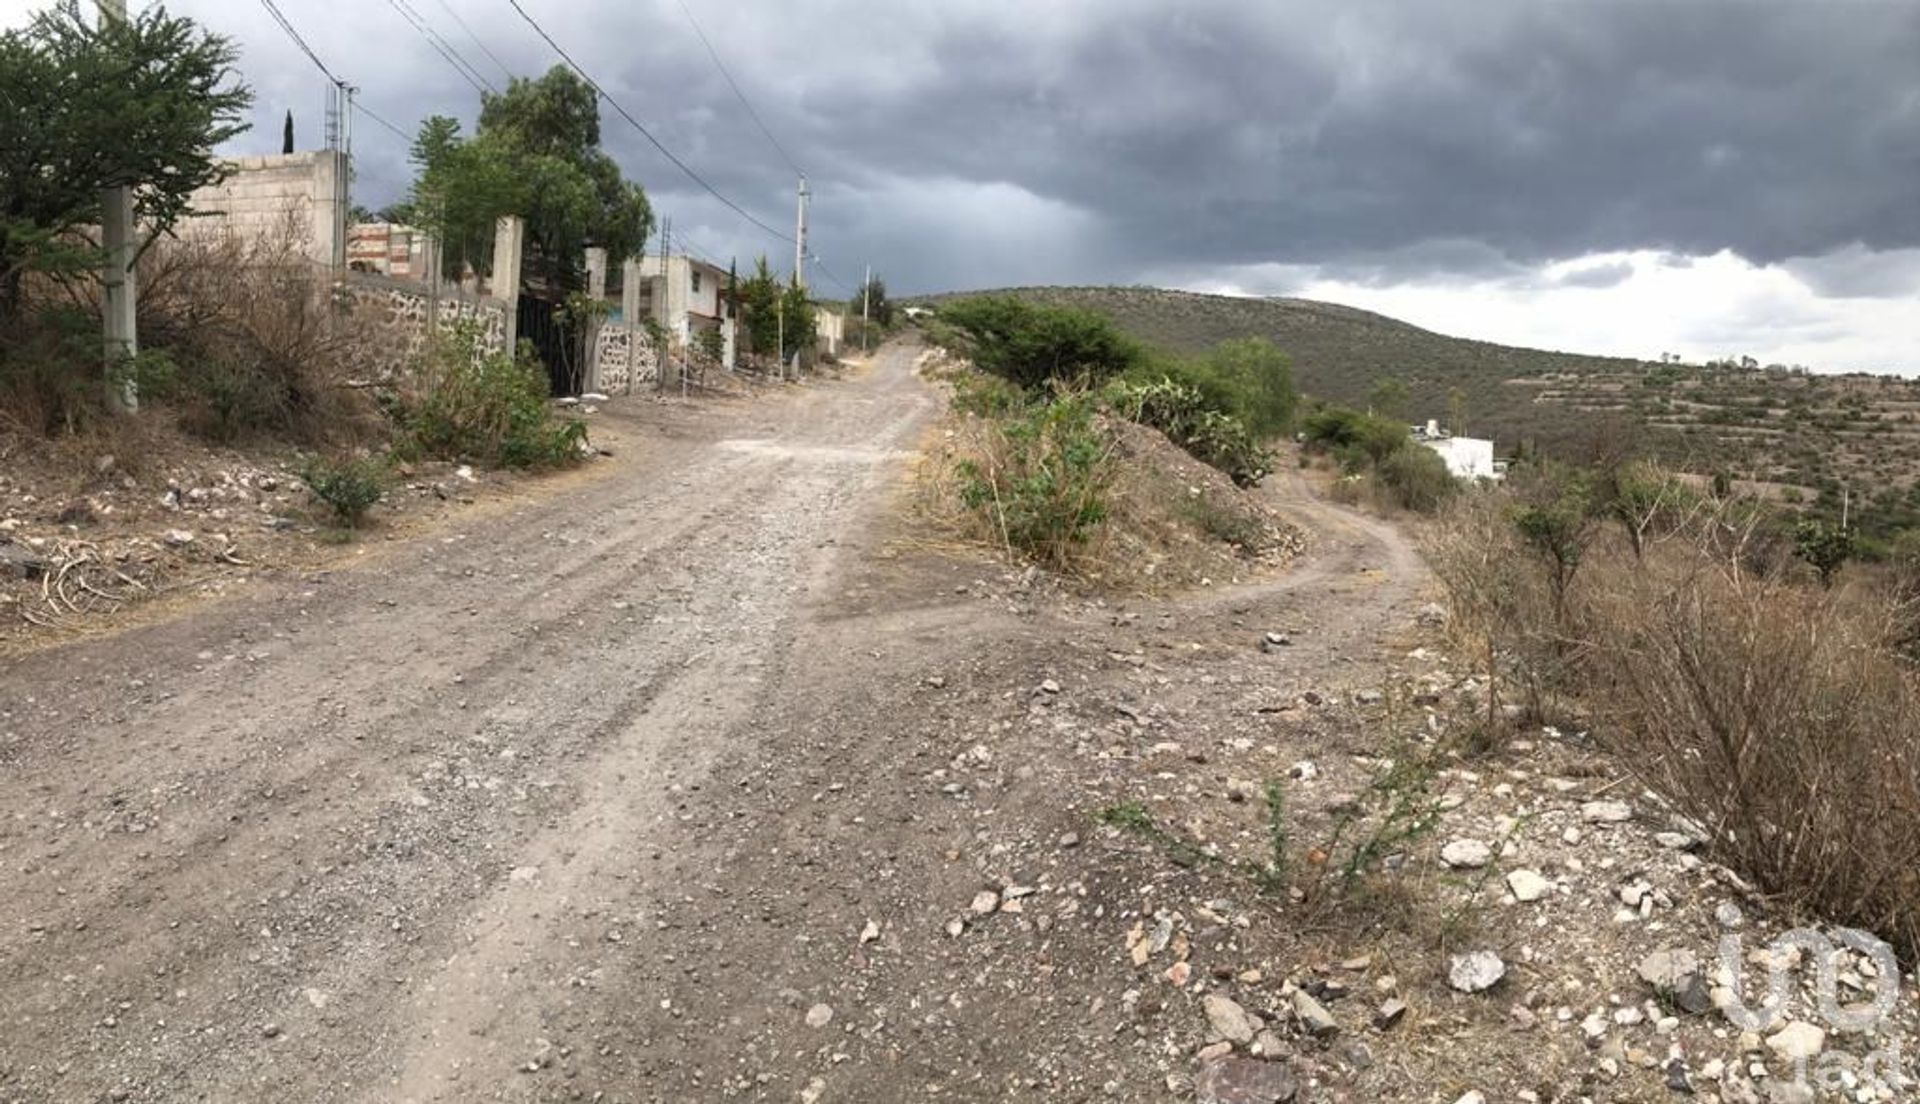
<point>120,293</point>
<point>866,300</point>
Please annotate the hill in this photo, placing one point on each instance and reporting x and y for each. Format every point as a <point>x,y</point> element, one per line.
<point>1795,436</point>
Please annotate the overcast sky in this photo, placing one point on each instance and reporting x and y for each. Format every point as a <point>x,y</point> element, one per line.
<point>1707,178</point>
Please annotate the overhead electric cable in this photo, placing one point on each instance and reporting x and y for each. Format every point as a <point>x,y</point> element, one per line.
<point>452,56</point>
<point>742,96</point>
<point>657,144</point>
<point>508,73</point>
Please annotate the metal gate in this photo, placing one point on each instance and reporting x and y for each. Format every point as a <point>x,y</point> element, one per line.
<point>556,341</point>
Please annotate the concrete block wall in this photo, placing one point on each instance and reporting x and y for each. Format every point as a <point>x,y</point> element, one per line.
<point>301,195</point>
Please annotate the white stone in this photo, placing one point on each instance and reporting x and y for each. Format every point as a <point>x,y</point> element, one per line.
<point>1476,971</point>
<point>1466,854</point>
<point>1528,885</point>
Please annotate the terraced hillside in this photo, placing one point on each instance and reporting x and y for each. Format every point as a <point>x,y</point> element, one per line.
<point>1798,437</point>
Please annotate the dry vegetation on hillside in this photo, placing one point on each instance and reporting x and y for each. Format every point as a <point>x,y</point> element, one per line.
<point>1810,440</point>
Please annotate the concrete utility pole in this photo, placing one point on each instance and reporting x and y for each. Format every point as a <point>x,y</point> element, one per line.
<point>800,239</point>
<point>120,291</point>
<point>780,312</point>
<point>866,301</point>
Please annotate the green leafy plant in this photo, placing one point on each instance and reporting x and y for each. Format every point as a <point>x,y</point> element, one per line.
<point>141,101</point>
<point>1182,413</point>
<point>1035,346</point>
<point>460,403</point>
<point>536,153</point>
<point>1825,546</point>
<point>1417,478</point>
<point>349,486</point>
<point>1042,479</point>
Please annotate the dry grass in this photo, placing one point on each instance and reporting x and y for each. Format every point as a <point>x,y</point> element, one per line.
<point>255,341</point>
<point>1779,716</point>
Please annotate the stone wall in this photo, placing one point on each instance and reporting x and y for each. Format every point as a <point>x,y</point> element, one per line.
<point>624,358</point>
<point>392,314</point>
<point>268,198</point>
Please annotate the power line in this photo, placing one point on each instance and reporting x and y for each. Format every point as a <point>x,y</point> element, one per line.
<point>460,64</point>
<point>476,39</point>
<point>625,114</point>
<point>371,114</point>
<point>287,26</point>
<point>731,83</point>
<point>280,18</point>
<point>822,266</point>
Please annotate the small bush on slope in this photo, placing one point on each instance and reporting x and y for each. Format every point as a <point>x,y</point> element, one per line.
<point>491,408</point>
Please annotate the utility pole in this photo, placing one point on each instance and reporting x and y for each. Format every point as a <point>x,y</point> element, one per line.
<point>800,239</point>
<point>120,290</point>
<point>866,301</point>
<point>666,305</point>
<point>780,312</point>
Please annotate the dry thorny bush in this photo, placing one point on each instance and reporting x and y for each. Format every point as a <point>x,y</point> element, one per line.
<point>1781,717</point>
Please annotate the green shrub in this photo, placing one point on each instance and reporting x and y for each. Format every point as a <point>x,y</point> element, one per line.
<point>1034,346</point>
<point>1417,478</point>
<point>490,408</point>
<point>1042,478</point>
<point>1824,546</point>
<point>986,396</point>
<point>348,485</point>
<point>49,380</point>
<point>1341,429</point>
<point>1247,379</point>
<point>1184,415</point>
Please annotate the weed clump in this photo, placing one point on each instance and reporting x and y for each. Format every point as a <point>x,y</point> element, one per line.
<point>349,486</point>
<point>1041,478</point>
<point>461,403</point>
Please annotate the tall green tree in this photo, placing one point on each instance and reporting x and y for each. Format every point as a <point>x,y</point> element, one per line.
<point>286,134</point>
<point>759,299</point>
<point>535,153</point>
<point>140,102</point>
<point>1260,378</point>
<point>798,323</point>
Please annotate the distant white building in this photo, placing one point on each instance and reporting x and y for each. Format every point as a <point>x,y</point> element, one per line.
<point>687,296</point>
<point>1466,457</point>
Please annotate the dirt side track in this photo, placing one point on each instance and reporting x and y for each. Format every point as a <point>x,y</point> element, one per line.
<point>671,787</point>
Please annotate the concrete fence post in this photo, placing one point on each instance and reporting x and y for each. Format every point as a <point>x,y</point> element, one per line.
<point>330,176</point>
<point>597,291</point>
<point>509,238</point>
<point>630,283</point>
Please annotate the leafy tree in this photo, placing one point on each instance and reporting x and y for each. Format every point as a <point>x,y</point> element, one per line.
<point>797,320</point>
<point>759,299</point>
<point>1824,545</point>
<point>535,153</point>
<point>140,103</point>
<point>1261,379</point>
<point>1034,345</point>
<point>1388,398</point>
<point>873,298</point>
<point>1556,521</point>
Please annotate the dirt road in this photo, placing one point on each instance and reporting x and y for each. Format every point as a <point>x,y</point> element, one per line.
<point>678,785</point>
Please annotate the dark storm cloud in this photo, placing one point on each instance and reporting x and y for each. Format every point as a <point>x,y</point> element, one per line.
<point>1604,275</point>
<point>1005,142</point>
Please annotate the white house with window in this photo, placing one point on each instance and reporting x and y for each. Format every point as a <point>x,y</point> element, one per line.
<point>1466,457</point>
<point>687,296</point>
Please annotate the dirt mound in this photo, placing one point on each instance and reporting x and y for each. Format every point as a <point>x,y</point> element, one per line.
<point>1177,522</point>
